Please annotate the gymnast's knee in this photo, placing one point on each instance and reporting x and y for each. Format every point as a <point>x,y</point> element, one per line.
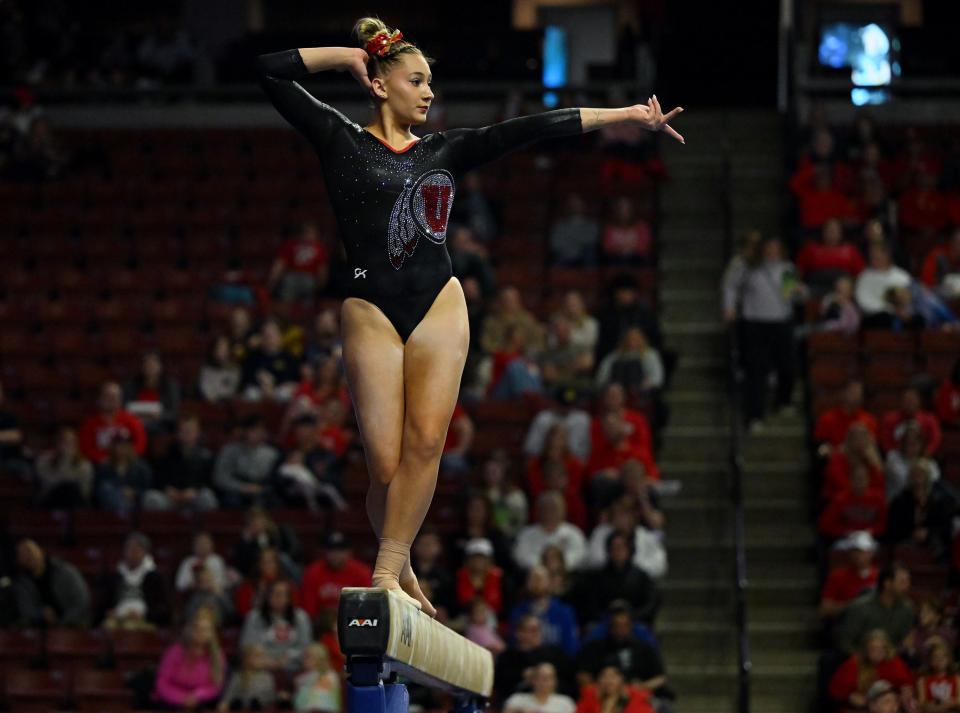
<point>423,445</point>
<point>381,471</point>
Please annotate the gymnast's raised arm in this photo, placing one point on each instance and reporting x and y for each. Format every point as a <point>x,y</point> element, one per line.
<point>278,72</point>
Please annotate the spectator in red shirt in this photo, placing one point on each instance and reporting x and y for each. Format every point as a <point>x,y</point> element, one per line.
<point>323,580</point>
<point>948,398</point>
<point>876,661</point>
<point>301,268</point>
<point>833,424</point>
<point>613,398</point>
<point>100,429</point>
<point>858,508</point>
<point>479,577</point>
<point>558,469</point>
<point>612,693</point>
<point>939,688</point>
<point>822,200</point>
<point>609,452</point>
<point>251,592</point>
<point>626,238</point>
<point>859,448</point>
<point>893,422</point>
<point>943,261</point>
<point>848,581</point>
<point>922,208</point>
<point>458,443</point>
<point>821,262</point>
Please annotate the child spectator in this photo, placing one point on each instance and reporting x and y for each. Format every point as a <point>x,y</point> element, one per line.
<point>123,479</point>
<point>550,529</point>
<point>310,473</point>
<point>136,595</point>
<point>849,581</point>
<point>558,621</point>
<point>834,423</point>
<point>301,268</point>
<point>575,236</point>
<point>508,506</point>
<point>153,395</point>
<point>252,687</point>
<point>876,660</point>
<point>838,310</point>
<point>911,409</point>
<point>220,374</point>
<point>317,687</point>
<point>931,630</point>
<point>938,690</point>
<point>206,592</point>
<point>191,673</point>
<point>626,238</point>
<point>64,476</point>
<point>98,430</point>
<point>482,627</point>
<point>279,626</point>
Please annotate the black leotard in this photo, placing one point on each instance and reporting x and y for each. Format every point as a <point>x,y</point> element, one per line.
<point>392,206</point>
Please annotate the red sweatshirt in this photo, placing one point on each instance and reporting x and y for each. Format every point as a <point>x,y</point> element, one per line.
<point>491,592</point>
<point>892,420</point>
<point>99,430</point>
<point>844,681</point>
<point>814,256</point>
<point>638,700</point>
<point>849,512</point>
<point>576,510</point>
<point>321,584</point>
<point>833,424</point>
<point>948,403</point>
<point>844,584</point>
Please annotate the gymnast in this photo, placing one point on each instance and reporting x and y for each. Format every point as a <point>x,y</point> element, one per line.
<point>404,322</point>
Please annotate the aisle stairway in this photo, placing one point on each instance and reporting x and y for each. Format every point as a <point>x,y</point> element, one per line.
<point>697,624</point>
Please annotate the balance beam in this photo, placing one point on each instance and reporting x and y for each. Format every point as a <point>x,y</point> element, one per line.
<point>380,633</point>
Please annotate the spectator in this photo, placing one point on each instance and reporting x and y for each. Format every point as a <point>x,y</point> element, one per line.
<point>746,258</point>
<point>921,208</point>
<point>616,447</point>
<point>838,310</point>
<point>543,698</point>
<point>948,398</point>
<point>558,621</point>
<point>99,430</point>
<point>469,260</point>
<point>641,662</point>
<point>561,471</point>
<point>887,608</point>
<point>64,476</point>
<point>561,580</point>
<point>204,557</point>
<point>922,514</point>
<point>192,670</point>
<point>941,267</point>
<point>611,693</point>
<point>270,372</point>
<point>49,592</point>
<point>911,409</point>
<point>849,581</point>
<point>625,309</point>
<point>475,209</point>
<point>324,342</point>
<point>883,698</point>
<point>482,627</point>
<point>564,362</point>
<point>310,472</point>
<point>613,399</point>
<point>821,263</point>
<point>856,508</point>
<point>220,373</point>
<point>458,443</point>
<point>931,630</point>
<point>321,383</point>
<point>627,238</point>
<point>634,363</point>
<point>876,660</point>
<point>859,449</point>
<point>183,474</point>
<point>206,592</point>
<point>153,395</point>
<point>280,627</point>
<point>253,591</point>
<point>243,467</point>
<point>301,268</point>
<point>241,335</point>
<point>479,522</point>
<point>506,503</point>
<point>551,529</point>
<point>428,562</point>
<point>874,283</point>
<point>911,447</point>
<point>479,578</point>
<point>11,439</point>
<point>618,578</point>
<point>584,328</point>
<point>833,424</point>
<point>123,480</point>
<point>821,199</point>
<point>317,687</point>
<point>768,291</point>
<point>649,553</point>
<point>252,687</point>
<point>136,595</point>
<point>509,313</point>
<point>574,237</point>
<point>574,420</point>
<point>939,688</point>
<point>514,374</point>
<point>338,568</point>
<point>516,664</point>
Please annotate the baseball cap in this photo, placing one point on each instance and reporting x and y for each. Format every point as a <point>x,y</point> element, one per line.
<point>478,546</point>
<point>878,690</point>
<point>336,541</point>
<point>860,540</point>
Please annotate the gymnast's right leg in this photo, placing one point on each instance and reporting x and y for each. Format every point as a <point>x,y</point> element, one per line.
<point>373,357</point>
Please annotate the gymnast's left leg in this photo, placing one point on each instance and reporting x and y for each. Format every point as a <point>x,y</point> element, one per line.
<point>434,356</point>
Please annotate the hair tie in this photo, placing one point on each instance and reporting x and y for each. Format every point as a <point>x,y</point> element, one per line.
<point>380,42</point>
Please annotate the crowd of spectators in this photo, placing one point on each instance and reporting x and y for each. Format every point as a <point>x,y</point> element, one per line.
<point>876,244</point>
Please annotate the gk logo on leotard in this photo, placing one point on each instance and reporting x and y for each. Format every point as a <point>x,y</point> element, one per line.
<point>357,272</point>
<point>423,208</point>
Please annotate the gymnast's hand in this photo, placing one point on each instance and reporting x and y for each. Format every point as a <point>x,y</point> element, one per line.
<point>652,117</point>
<point>355,62</point>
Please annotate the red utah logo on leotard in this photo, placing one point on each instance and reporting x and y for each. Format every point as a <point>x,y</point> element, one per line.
<point>423,208</point>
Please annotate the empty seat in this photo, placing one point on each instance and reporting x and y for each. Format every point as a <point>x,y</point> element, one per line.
<point>28,690</point>
<point>24,647</point>
<point>832,343</point>
<point>133,648</point>
<point>884,342</point>
<point>73,648</point>
<point>92,527</point>
<point>95,690</point>
<point>48,527</point>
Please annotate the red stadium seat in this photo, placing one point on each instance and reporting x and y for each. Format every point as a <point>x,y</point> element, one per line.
<point>101,691</point>
<point>174,528</point>
<point>25,647</point>
<point>29,690</point>
<point>892,373</point>
<point>883,342</point>
<point>832,343</point>
<point>47,527</point>
<point>132,649</point>
<point>73,648</point>
<point>95,527</point>
<point>832,372</point>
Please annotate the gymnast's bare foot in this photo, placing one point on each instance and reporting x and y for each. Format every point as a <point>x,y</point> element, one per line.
<point>394,586</point>
<point>411,586</point>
